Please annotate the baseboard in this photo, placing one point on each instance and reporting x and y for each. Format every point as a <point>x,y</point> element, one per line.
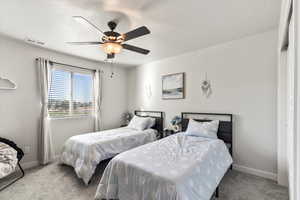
<point>28,165</point>
<point>57,158</point>
<point>256,172</point>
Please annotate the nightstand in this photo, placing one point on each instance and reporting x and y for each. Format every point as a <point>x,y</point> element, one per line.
<point>166,133</point>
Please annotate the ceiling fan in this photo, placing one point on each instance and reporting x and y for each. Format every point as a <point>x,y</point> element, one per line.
<point>113,42</point>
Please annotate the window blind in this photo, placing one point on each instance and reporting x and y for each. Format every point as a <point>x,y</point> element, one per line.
<point>71,94</point>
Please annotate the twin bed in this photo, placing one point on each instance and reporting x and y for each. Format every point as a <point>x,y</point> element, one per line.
<point>179,167</point>
<point>84,152</point>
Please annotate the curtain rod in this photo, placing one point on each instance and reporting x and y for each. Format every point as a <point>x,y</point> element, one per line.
<point>58,63</point>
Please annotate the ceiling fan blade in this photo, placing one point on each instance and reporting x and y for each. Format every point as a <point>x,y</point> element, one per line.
<point>136,49</point>
<point>81,19</point>
<point>84,43</point>
<point>143,30</point>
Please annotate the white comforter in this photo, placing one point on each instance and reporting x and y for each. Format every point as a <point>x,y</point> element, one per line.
<point>84,152</point>
<point>178,167</point>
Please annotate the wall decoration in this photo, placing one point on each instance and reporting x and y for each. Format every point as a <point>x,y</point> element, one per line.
<point>173,86</point>
<point>148,90</point>
<point>206,87</point>
<point>6,84</point>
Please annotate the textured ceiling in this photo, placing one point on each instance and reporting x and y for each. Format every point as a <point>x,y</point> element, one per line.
<point>177,26</point>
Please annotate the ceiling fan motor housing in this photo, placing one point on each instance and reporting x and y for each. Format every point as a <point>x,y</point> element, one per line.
<point>112,25</point>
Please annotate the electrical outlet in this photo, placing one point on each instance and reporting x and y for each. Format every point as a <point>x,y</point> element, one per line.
<point>27,149</point>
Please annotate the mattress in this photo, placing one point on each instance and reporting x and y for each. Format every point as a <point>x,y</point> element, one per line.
<point>178,167</point>
<point>85,152</point>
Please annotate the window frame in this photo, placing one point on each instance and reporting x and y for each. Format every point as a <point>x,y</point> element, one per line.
<point>72,71</point>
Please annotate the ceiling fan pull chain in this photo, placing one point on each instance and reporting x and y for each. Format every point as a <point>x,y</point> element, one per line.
<point>112,69</point>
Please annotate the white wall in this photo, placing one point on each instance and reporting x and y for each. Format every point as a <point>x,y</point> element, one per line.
<point>243,77</point>
<point>20,109</point>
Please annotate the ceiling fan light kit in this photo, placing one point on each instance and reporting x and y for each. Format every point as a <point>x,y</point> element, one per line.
<point>112,47</point>
<point>112,42</point>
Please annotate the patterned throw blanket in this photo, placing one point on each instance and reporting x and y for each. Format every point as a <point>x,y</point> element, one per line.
<point>8,160</point>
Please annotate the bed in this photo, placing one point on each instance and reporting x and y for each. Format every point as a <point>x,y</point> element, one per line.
<point>10,157</point>
<point>178,167</point>
<point>84,152</point>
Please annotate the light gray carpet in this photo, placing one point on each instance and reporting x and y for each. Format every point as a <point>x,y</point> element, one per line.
<point>56,182</point>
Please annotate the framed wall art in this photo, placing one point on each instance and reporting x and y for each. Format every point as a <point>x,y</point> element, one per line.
<point>173,86</point>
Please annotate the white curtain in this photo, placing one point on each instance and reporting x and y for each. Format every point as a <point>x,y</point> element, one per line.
<point>291,111</point>
<point>46,152</point>
<point>286,51</point>
<point>285,18</point>
<point>98,98</point>
<point>282,88</point>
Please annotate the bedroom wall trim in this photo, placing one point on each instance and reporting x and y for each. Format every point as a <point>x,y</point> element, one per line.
<point>297,64</point>
<point>282,123</point>
<point>29,165</point>
<point>256,172</point>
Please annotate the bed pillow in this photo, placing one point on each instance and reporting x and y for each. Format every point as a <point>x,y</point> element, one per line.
<point>151,122</point>
<point>203,129</point>
<point>139,123</point>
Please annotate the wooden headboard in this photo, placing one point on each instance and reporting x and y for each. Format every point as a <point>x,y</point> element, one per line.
<point>225,125</point>
<point>158,115</point>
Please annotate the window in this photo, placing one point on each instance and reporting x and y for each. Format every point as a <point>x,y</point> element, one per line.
<point>71,93</point>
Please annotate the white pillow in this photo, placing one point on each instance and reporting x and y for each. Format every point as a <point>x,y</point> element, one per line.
<point>203,129</point>
<point>139,123</point>
<point>151,122</point>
